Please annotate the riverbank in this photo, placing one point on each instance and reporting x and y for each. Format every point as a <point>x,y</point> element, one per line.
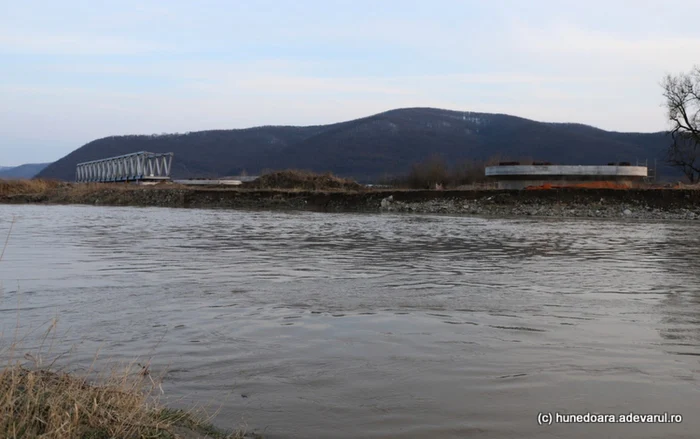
<point>677,204</point>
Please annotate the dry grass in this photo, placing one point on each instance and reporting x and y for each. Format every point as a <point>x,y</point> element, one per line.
<point>26,187</point>
<point>43,401</point>
<point>37,187</point>
<point>58,192</point>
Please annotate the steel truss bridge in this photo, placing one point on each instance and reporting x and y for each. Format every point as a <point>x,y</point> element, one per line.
<point>139,166</point>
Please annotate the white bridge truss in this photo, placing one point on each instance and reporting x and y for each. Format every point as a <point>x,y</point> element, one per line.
<point>139,166</point>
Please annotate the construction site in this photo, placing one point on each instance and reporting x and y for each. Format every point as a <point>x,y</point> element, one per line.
<point>542,176</point>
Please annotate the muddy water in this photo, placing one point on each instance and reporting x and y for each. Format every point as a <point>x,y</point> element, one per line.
<point>307,325</point>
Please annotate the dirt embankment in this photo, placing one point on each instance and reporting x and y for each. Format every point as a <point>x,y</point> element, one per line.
<point>303,180</point>
<point>566,202</point>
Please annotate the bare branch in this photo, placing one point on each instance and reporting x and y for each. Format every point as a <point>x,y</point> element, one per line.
<point>682,93</point>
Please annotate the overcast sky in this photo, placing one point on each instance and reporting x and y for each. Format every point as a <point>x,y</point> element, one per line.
<point>73,71</point>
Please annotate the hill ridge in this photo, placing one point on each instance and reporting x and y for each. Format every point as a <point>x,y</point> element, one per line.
<point>371,147</point>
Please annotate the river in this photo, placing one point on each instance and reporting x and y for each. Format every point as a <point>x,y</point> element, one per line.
<point>317,325</point>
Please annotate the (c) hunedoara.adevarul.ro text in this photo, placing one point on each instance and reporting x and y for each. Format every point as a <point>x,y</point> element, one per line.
<point>549,418</point>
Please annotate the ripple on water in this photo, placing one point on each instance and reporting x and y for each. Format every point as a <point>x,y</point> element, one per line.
<point>318,325</point>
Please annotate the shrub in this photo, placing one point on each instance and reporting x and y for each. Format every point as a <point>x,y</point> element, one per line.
<point>303,180</point>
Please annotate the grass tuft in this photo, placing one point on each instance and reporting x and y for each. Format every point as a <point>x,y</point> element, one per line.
<point>52,404</point>
<point>38,400</point>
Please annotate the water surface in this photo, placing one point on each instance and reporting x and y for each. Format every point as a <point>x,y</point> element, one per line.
<point>309,325</point>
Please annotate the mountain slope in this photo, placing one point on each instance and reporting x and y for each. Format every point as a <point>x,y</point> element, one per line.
<point>390,142</point>
<point>197,154</point>
<point>371,147</point>
<point>28,170</point>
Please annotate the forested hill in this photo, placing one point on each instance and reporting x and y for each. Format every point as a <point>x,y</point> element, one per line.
<point>28,170</point>
<point>376,146</point>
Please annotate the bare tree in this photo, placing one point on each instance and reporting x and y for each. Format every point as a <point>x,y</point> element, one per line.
<point>682,93</point>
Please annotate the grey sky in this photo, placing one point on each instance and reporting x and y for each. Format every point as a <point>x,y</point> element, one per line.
<point>74,71</point>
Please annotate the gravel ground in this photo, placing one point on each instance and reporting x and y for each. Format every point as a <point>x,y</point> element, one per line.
<point>656,204</point>
<point>491,206</point>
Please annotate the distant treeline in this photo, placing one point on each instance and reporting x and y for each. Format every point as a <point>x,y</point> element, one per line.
<point>435,172</point>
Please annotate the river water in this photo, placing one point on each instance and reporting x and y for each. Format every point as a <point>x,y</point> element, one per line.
<point>305,325</point>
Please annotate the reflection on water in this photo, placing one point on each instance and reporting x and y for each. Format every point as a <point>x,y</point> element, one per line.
<point>329,325</point>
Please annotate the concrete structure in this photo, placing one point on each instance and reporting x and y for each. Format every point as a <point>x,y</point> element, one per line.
<point>208,182</point>
<point>226,181</point>
<point>523,176</point>
<point>137,167</point>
